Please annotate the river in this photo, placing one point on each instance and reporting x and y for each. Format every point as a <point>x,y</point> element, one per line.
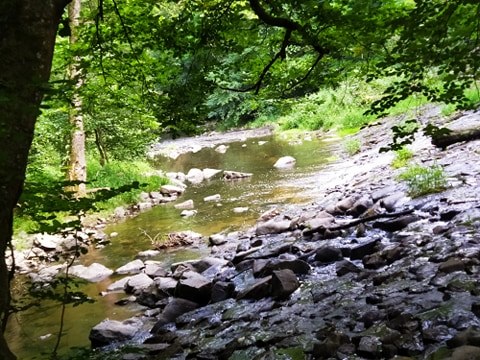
<point>32,333</point>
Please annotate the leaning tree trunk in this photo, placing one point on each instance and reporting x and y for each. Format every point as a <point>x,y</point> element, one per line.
<point>27,38</point>
<point>77,170</point>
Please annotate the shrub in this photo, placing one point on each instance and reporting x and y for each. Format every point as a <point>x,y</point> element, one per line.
<point>402,156</point>
<point>352,146</point>
<point>424,180</point>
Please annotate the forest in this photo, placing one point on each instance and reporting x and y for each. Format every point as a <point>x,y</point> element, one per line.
<point>86,87</point>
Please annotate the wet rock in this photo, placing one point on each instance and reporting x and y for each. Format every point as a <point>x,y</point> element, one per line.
<point>109,331</point>
<point>451,265</point>
<point>373,261</point>
<point>394,201</point>
<point>328,254</point>
<point>272,227</point>
<point>166,284</point>
<point>466,352</point>
<point>284,282</point>
<point>194,287</point>
<point>154,269</point>
<point>186,205</point>
<point>260,289</point>
<point>195,176</point>
<point>210,173</point>
<point>212,198</point>
<point>118,285</point>
<point>172,311</point>
<point>366,248</point>
<point>221,149</point>
<point>469,336</point>
<point>93,273</point>
<point>138,283</point>
<point>171,190</point>
<point>285,162</point>
<point>370,347</point>
<point>329,346</point>
<point>396,224</point>
<point>133,267</point>
<point>222,290</point>
<point>264,267</point>
<point>344,267</point>
<point>360,206</point>
<point>235,175</point>
<point>217,239</point>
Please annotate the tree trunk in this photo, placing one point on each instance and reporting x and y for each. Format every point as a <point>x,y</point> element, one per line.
<point>78,165</point>
<point>442,140</point>
<point>27,38</point>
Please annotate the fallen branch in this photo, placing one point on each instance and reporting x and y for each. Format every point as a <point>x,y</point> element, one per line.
<point>443,140</point>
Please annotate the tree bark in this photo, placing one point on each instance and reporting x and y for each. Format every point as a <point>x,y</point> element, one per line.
<point>443,140</point>
<point>78,164</point>
<point>27,38</point>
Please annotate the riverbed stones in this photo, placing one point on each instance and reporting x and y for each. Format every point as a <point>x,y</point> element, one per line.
<point>284,282</point>
<point>274,226</point>
<point>174,308</point>
<point>236,175</point>
<point>195,287</point>
<point>137,283</point>
<point>133,267</point>
<point>94,273</point>
<point>195,176</point>
<point>185,205</point>
<point>109,331</point>
<point>171,190</point>
<point>285,162</point>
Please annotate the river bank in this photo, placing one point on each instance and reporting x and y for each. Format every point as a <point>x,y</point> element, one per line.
<point>361,271</point>
<point>358,270</point>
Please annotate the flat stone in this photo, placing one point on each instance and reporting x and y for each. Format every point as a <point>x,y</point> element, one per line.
<point>133,267</point>
<point>109,331</point>
<point>137,283</point>
<point>93,273</point>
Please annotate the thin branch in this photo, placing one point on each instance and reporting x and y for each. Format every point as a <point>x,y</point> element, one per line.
<point>298,82</point>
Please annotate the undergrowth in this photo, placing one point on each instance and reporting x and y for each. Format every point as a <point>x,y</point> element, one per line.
<point>424,180</point>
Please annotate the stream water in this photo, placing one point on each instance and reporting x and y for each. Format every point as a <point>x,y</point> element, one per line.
<point>32,333</point>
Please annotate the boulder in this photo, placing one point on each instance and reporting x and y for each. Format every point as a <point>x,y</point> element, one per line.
<point>195,176</point>
<point>154,269</point>
<point>47,241</point>
<point>109,331</point>
<point>93,273</point>
<point>46,274</point>
<point>222,290</point>
<point>137,283</point>
<point>285,162</point>
<point>273,226</point>
<point>209,173</point>
<point>262,267</point>
<point>195,287</point>
<point>217,239</point>
<point>212,198</point>
<point>395,224</point>
<point>221,149</point>
<point>328,254</point>
<point>133,267</point>
<point>235,175</point>
<point>366,248</point>
<point>166,284</point>
<point>186,205</point>
<point>284,282</point>
<point>171,190</point>
<point>173,310</point>
<point>118,285</point>
<point>344,267</point>
<point>260,289</point>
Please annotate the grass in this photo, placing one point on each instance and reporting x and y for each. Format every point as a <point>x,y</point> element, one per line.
<point>352,146</point>
<point>402,157</point>
<point>424,180</point>
<point>46,198</point>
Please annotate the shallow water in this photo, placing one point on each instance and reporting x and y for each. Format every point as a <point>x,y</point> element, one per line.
<point>32,333</point>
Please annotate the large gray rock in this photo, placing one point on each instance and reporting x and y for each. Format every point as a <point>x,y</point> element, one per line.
<point>194,287</point>
<point>284,282</point>
<point>118,285</point>
<point>195,176</point>
<point>138,283</point>
<point>109,331</point>
<point>93,273</point>
<point>285,162</point>
<point>133,267</point>
<point>273,226</point>
<point>173,310</point>
<point>47,241</point>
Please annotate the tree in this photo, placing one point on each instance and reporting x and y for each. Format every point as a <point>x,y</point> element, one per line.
<point>27,37</point>
<point>77,169</point>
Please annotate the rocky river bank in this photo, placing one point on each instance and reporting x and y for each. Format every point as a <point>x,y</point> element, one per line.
<point>362,271</point>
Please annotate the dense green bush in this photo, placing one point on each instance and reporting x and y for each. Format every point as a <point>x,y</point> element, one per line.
<point>424,180</point>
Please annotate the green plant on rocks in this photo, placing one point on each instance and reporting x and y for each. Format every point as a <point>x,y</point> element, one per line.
<point>424,180</point>
<point>402,157</point>
<point>352,146</point>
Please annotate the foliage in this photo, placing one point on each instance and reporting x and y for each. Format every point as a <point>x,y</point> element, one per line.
<point>424,180</point>
<point>352,146</point>
<point>402,157</point>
